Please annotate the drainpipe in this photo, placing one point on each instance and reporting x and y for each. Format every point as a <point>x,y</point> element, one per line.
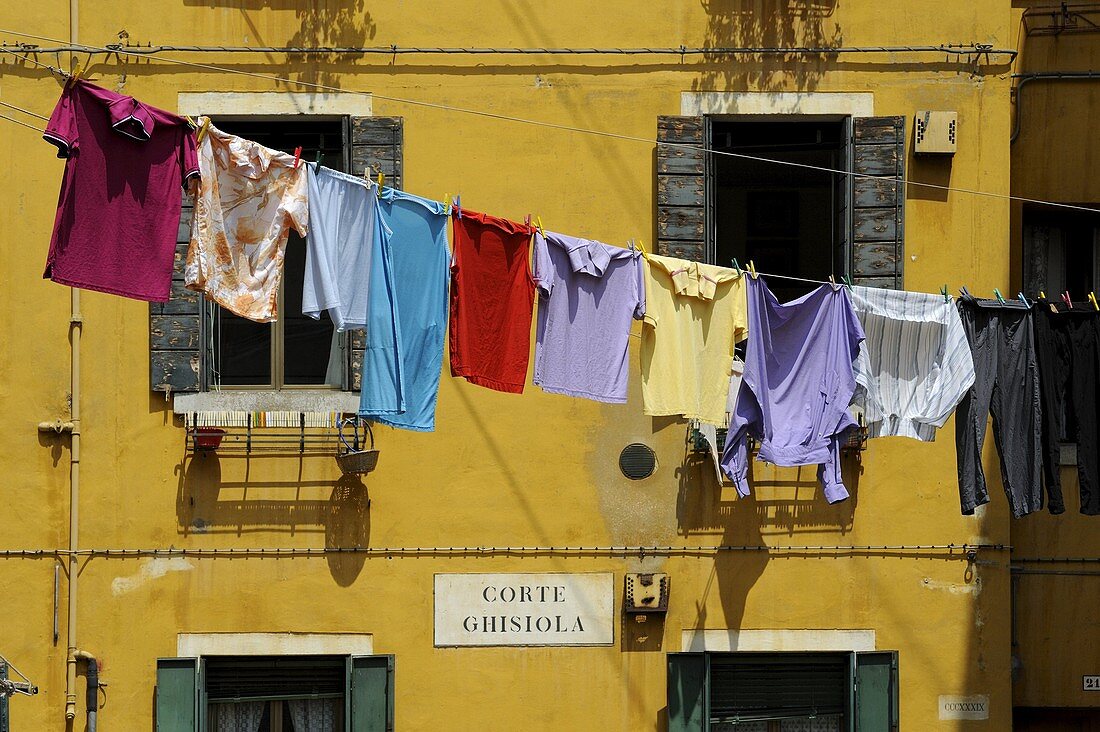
<point>1024,79</point>
<point>75,324</point>
<point>92,697</point>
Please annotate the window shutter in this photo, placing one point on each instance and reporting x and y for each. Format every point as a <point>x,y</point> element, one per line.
<point>378,142</point>
<point>178,692</point>
<point>687,692</point>
<point>681,188</point>
<point>878,223</point>
<point>876,691</point>
<point>370,693</point>
<point>5,722</point>
<point>175,341</point>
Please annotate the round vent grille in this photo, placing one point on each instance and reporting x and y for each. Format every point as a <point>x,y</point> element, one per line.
<point>637,461</point>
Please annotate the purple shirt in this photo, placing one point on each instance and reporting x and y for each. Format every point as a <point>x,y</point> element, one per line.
<point>797,385</point>
<point>588,294</point>
<point>118,213</point>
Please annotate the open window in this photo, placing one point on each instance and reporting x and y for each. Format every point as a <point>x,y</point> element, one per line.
<point>275,694</point>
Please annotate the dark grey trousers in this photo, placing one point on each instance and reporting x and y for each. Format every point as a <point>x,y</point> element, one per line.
<point>1006,383</point>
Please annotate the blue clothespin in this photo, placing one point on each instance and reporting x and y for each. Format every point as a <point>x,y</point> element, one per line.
<point>458,205</point>
<point>1023,299</point>
<point>1000,297</point>
<point>943,291</point>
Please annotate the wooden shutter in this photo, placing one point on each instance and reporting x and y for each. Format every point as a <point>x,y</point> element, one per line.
<point>876,691</point>
<point>178,692</point>
<point>878,222</point>
<point>5,722</point>
<point>378,142</point>
<point>687,692</point>
<point>370,693</point>
<point>175,340</point>
<point>681,188</point>
<point>759,686</point>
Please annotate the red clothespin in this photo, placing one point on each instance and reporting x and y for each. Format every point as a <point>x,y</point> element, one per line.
<point>297,156</point>
<point>1066,300</point>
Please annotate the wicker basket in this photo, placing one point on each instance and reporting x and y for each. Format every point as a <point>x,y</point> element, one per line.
<point>351,459</point>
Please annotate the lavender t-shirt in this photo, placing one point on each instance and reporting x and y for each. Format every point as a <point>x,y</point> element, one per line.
<point>588,294</point>
<point>118,214</point>
<point>798,382</point>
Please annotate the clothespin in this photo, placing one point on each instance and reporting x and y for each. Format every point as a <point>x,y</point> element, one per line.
<point>1023,299</point>
<point>527,222</point>
<point>538,224</point>
<point>446,204</point>
<point>1066,300</point>
<point>752,270</point>
<point>190,121</point>
<point>320,157</point>
<point>297,156</point>
<point>1042,295</point>
<point>848,282</point>
<point>833,284</point>
<point>74,75</point>
<point>458,205</point>
<point>736,266</point>
<point>366,173</point>
<point>1000,297</point>
<point>641,247</point>
<point>381,182</point>
<point>202,129</point>
<point>943,291</point>
<point>1092,299</point>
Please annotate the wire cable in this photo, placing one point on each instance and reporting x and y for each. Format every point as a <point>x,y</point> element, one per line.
<point>567,128</point>
<point>20,122</point>
<point>25,111</point>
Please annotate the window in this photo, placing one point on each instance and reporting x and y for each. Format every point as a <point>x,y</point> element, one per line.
<point>1062,252</point>
<point>788,220</point>
<point>295,350</point>
<point>782,692</point>
<point>275,694</point>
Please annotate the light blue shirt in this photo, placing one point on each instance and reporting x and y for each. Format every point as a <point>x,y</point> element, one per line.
<point>414,310</point>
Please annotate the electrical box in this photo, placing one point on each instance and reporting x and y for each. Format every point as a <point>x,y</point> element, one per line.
<point>645,593</point>
<point>935,133</point>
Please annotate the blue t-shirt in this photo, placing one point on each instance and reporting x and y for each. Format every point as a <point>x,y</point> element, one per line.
<point>415,309</point>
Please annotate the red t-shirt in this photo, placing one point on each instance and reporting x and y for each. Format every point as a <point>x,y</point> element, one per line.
<point>118,214</point>
<point>492,296</point>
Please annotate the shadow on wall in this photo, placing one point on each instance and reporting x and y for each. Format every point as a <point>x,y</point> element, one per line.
<point>767,24</point>
<point>784,505</point>
<point>346,24</point>
<point>344,516</point>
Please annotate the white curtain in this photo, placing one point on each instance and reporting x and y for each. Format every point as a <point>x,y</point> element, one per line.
<point>314,715</point>
<point>236,716</point>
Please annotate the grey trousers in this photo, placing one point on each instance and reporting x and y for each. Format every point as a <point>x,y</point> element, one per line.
<point>1006,383</point>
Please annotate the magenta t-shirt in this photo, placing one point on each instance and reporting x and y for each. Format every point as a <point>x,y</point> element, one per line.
<point>118,213</point>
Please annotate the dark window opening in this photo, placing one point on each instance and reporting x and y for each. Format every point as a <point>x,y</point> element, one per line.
<point>788,220</point>
<point>296,350</point>
<point>276,693</point>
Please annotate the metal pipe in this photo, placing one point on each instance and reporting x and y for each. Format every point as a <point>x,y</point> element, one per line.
<point>91,697</point>
<point>1042,76</point>
<point>75,324</point>
<point>951,49</point>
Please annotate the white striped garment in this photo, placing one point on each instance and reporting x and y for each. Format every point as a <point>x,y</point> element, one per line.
<point>915,365</point>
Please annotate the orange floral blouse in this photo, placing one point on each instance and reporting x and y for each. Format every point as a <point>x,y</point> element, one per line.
<point>249,197</point>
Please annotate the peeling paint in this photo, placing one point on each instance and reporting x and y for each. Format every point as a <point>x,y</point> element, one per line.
<point>154,568</point>
<point>955,588</point>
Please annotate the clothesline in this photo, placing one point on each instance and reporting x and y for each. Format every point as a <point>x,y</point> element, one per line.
<point>18,122</point>
<point>552,125</point>
<point>25,111</point>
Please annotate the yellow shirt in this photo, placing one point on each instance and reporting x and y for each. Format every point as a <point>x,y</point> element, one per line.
<point>695,313</point>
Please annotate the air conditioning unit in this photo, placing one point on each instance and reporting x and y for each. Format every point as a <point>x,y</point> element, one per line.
<point>935,133</point>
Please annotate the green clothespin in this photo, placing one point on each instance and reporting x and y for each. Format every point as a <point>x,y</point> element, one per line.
<point>847,281</point>
<point>1000,297</point>
<point>736,266</point>
<point>943,291</point>
<point>320,157</point>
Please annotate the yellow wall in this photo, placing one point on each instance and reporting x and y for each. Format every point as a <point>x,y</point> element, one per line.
<point>1053,159</point>
<point>536,470</point>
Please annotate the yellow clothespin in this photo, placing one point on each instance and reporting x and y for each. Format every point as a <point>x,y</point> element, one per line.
<point>381,182</point>
<point>538,224</point>
<point>1092,299</point>
<point>202,129</point>
<point>191,121</point>
<point>1042,295</point>
<point>74,75</point>
<point>752,270</point>
<point>446,203</point>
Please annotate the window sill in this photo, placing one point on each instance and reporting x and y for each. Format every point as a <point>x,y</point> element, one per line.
<point>290,400</point>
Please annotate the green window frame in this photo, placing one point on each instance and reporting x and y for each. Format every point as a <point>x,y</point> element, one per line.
<point>867,697</point>
<point>181,698</point>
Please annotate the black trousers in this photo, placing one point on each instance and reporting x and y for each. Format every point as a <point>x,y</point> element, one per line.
<point>1067,343</point>
<point>1006,383</point>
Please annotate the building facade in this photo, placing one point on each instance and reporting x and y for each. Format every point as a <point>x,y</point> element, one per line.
<point>255,585</point>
